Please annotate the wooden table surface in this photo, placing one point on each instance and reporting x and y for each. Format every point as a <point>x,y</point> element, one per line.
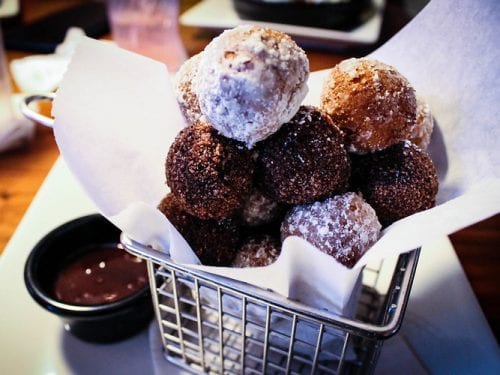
<point>23,170</point>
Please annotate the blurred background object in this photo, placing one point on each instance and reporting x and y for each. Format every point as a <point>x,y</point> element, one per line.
<point>9,8</point>
<point>412,7</point>
<point>342,15</point>
<point>41,33</point>
<point>148,27</point>
<point>42,73</point>
<point>311,24</point>
<point>5,93</point>
<point>14,129</point>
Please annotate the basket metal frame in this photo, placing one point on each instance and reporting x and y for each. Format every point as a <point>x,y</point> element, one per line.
<point>206,321</point>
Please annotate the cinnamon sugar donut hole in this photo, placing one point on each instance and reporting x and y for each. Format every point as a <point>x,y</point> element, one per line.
<point>215,242</point>
<point>250,81</point>
<point>371,102</point>
<point>397,182</point>
<point>209,174</point>
<point>305,160</point>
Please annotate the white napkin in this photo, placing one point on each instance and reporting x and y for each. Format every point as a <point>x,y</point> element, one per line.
<point>43,73</point>
<point>15,130</point>
<point>33,74</point>
<point>116,116</point>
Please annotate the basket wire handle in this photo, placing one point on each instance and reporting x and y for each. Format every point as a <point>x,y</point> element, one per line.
<point>32,114</point>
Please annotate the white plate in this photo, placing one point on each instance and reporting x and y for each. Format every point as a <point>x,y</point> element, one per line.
<point>32,340</point>
<point>220,14</point>
<point>443,321</point>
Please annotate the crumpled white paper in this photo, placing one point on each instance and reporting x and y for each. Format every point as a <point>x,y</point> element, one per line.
<point>116,117</point>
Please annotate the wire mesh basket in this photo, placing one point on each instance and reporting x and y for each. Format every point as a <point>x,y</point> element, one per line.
<point>215,325</point>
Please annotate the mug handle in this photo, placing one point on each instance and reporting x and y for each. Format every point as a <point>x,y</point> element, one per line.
<point>33,115</point>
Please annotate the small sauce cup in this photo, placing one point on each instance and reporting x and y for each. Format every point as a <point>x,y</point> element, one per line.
<point>80,272</point>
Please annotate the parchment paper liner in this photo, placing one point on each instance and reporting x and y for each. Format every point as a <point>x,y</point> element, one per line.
<point>116,116</point>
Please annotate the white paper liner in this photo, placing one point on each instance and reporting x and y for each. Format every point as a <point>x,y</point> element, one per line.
<point>116,117</point>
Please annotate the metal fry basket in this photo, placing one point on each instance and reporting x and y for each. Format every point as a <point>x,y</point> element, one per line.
<point>215,325</point>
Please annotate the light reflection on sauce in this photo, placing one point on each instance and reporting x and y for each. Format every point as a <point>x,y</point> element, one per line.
<point>102,275</point>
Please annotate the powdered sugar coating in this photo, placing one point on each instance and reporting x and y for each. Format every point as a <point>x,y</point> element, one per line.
<point>371,102</point>
<point>343,226</point>
<point>257,252</point>
<point>184,91</point>
<point>422,131</point>
<point>250,81</point>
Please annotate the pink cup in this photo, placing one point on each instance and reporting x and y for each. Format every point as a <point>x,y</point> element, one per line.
<point>148,27</point>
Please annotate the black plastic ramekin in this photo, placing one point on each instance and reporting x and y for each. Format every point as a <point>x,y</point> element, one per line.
<point>96,323</point>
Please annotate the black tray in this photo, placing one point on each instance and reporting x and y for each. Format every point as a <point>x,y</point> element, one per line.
<point>342,15</point>
<point>43,35</point>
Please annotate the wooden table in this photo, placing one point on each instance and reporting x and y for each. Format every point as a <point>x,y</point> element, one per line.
<point>23,170</point>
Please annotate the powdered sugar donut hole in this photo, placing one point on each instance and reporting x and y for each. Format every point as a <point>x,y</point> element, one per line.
<point>250,81</point>
<point>343,226</point>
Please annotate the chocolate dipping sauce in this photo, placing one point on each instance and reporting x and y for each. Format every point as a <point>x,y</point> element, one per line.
<point>102,275</point>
